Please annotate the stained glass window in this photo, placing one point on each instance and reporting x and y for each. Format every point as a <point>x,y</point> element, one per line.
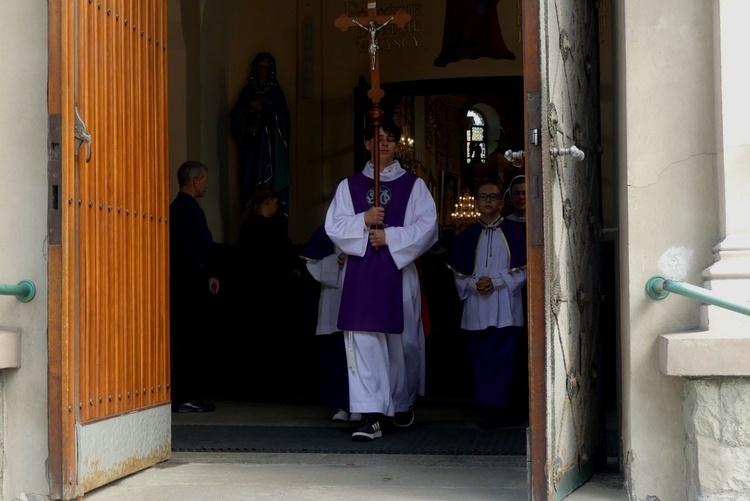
<point>476,136</point>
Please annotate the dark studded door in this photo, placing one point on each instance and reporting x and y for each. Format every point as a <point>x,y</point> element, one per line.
<point>561,78</point>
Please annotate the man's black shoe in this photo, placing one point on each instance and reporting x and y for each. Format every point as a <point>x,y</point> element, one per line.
<point>194,406</point>
<point>404,419</point>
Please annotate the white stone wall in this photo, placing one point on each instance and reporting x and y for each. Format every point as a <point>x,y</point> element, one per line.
<point>717,433</point>
<point>23,246</point>
<point>669,218</point>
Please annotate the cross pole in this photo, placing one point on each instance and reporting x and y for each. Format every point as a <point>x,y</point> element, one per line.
<point>372,23</point>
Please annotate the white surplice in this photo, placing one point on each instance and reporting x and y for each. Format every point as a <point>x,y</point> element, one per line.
<point>387,371</point>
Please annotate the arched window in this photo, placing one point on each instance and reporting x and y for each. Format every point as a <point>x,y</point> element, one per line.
<point>476,136</point>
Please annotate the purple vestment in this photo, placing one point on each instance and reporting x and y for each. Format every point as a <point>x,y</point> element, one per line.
<point>372,297</point>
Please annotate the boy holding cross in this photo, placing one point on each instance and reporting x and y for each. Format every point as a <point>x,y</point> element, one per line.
<point>380,311</point>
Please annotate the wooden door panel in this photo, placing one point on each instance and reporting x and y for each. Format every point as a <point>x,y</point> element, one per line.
<point>121,208</point>
<point>115,325</point>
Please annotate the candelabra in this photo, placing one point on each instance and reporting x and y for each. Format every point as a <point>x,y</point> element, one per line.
<point>407,156</point>
<point>465,212</point>
<point>405,147</point>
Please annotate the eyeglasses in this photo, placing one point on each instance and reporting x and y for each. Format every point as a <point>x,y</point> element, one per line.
<point>492,197</point>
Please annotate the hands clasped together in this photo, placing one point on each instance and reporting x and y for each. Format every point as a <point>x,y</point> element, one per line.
<point>485,285</point>
<point>374,218</point>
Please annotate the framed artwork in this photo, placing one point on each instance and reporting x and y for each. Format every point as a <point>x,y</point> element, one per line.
<point>448,196</point>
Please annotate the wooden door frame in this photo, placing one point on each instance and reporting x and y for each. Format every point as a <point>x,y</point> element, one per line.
<point>539,483</point>
<point>62,455</point>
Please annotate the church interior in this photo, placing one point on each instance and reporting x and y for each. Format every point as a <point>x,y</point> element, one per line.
<point>460,105</point>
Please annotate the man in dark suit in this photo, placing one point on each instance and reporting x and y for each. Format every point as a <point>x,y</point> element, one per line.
<point>193,279</point>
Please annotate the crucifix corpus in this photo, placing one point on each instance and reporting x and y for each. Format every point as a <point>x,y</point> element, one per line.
<point>372,23</point>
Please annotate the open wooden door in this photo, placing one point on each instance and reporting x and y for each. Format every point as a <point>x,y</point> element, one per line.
<point>109,201</point>
<point>561,80</point>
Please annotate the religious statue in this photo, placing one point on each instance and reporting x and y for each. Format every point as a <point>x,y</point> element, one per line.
<point>261,126</point>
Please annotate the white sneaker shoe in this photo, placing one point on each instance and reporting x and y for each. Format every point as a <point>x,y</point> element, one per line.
<point>341,416</point>
<point>355,417</point>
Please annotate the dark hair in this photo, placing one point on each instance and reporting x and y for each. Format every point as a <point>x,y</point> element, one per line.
<point>490,182</point>
<point>189,170</point>
<point>388,126</point>
<point>263,193</point>
<point>516,180</point>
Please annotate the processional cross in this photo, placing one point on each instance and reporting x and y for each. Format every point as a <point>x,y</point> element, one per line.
<point>372,23</point>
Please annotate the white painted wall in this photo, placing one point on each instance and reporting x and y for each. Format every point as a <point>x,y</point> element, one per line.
<point>199,103</point>
<point>23,245</point>
<point>669,217</point>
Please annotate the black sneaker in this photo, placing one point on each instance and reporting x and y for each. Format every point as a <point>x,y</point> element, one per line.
<point>370,429</point>
<point>404,419</point>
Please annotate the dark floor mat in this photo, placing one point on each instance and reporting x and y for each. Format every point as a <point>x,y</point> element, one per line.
<point>337,440</point>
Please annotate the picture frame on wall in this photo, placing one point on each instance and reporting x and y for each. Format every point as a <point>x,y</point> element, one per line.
<point>449,190</point>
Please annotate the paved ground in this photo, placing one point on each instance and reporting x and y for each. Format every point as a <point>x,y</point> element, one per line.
<point>240,476</point>
<point>318,477</point>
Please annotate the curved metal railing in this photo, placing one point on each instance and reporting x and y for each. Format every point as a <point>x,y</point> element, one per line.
<point>659,287</point>
<point>23,290</point>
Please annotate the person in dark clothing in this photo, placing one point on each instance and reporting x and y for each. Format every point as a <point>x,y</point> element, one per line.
<point>193,280</point>
<point>268,257</point>
<point>517,217</point>
<point>271,278</point>
<point>450,375</point>
<point>326,265</point>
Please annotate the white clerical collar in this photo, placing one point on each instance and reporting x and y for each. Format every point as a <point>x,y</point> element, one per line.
<point>518,219</point>
<point>393,171</point>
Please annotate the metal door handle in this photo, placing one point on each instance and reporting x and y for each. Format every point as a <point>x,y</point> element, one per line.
<point>573,151</point>
<point>514,157</point>
<point>82,135</point>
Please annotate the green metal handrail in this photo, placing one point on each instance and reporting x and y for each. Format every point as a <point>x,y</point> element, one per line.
<point>659,287</point>
<point>24,290</point>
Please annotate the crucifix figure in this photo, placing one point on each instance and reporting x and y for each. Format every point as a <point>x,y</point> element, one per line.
<point>372,28</point>
<point>373,23</point>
